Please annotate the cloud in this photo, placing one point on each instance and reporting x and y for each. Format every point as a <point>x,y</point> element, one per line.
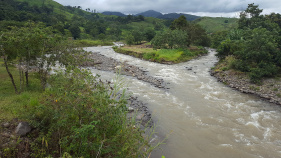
<point>227,7</point>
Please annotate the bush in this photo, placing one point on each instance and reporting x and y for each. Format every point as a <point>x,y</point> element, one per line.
<point>79,115</point>
<point>228,47</point>
<point>263,70</point>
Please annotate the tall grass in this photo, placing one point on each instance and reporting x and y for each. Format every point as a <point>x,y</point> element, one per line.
<point>11,102</point>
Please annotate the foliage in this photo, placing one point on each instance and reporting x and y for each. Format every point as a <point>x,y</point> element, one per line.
<point>170,39</point>
<point>228,47</point>
<point>75,31</point>
<point>162,55</point>
<point>255,45</point>
<point>37,46</point>
<point>180,23</point>
<point>196,35</point>
<point>259,52</point>
<point>79,115</point>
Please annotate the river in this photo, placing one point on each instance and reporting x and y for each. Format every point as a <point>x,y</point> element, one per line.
<point>205,117</point>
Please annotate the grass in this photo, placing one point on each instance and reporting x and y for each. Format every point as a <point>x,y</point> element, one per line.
<point>11,102</point>
<point>170,56</point>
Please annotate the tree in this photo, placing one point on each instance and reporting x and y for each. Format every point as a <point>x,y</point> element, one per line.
<point>250,18</point>
<point>259,54</point>
<point>138,36</point>
<point>149,34</point>
<point>129,38</point>
<point>180,23</point>
<point>170,39</point>
<point>75,31</point>
<point>34,45</point>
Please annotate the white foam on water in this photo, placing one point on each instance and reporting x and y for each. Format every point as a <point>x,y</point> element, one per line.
<point>267,134</point>
<point>226,145</point>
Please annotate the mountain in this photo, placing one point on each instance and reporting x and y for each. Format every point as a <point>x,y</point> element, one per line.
<point>113,13</point>
<point>150,13</point>
<point>171,16</point>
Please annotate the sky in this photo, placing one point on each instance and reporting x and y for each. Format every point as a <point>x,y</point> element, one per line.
<point>213,8</point>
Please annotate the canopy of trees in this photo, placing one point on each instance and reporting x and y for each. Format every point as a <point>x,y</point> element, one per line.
<point>181,34</point>
<point>255,45</point>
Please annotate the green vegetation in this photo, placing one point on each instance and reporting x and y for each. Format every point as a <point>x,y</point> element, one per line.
<point>73,112</point>
<point>173,42</point>
<point>254,45</point>
<point>170,56</point>
<point>213,25</point>
<point>77,115</point>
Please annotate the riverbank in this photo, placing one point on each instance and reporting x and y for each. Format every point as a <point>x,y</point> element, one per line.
<point>269,90</point>
<point>104,63</point>
<point>162,56</point>
<point>137,108</point>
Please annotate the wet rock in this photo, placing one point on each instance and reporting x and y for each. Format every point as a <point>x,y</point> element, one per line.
<point>130,109</point>
<point>23,128</point>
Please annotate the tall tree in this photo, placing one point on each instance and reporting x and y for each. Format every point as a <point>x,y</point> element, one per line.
<point>180,23</point>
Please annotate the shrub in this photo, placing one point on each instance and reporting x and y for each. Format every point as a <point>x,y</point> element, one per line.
<point>79,115</point>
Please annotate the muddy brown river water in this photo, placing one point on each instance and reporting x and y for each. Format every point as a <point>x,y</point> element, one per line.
<point>206,118</point>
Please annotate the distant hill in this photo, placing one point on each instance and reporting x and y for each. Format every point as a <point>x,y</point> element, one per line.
<point>214,24</point>
<point>150,13</point>
<point>171,16</point>
<point>114,13</point>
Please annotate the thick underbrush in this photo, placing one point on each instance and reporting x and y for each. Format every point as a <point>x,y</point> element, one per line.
<point>77,115</point>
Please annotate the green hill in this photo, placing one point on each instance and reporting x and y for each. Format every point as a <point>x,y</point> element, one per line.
<point>212,25</point>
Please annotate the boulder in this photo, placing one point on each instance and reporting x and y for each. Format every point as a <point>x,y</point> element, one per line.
<point>23,128</point>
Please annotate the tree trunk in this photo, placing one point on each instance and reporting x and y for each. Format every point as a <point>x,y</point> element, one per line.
<point>11,76</point>
<point>26,77</point>
<point>27,69</point>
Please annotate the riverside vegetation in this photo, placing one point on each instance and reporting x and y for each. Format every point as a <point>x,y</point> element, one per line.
<point>254,47</point>
<point>170,45</point>
<point>72,112</point>
<point>249,55</point>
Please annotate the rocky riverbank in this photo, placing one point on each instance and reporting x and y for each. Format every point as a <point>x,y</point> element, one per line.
<point>270,89</point>
<point>104,63</point>
<point>137,109</point>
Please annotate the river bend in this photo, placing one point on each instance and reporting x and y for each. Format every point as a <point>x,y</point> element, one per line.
<point>207,118</point>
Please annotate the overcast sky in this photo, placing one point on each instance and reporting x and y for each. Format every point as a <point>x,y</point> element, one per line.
<point>225,8</point>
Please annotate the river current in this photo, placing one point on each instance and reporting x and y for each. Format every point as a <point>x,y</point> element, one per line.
<point>205,118</point>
